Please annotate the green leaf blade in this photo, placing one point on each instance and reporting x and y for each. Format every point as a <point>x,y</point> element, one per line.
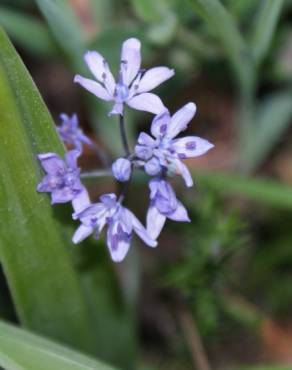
<point>36,353</point>
<point>222,22</point>
<point>273,119</point>
<point>264,27</point>
<point>38,268</point>
<point>28,32</point>
<point>66,29</point>
<point>265,191</point>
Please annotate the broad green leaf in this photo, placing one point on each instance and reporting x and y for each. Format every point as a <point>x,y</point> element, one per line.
<point>22,350</point>
<point>273,118</point>
<point>267,192</point>
<point>34,256</point>
<point>66,29</point>
<point>264,27</point>
<point>27,31</point>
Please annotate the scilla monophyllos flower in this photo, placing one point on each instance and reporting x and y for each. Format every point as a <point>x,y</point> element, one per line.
<point>164,152</point>
<point>133,84</point>
<point>121,224</point>
<point>62,178</point>
<point>71,133</point>
<point>159,155</point>
<point>163,205</point>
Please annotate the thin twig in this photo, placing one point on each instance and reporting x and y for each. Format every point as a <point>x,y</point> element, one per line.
<point>97,173</point>
<point>193,339</point>
<point>101,155</point>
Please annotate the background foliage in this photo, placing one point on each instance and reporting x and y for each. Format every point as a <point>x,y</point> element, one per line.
<point>223,279</point>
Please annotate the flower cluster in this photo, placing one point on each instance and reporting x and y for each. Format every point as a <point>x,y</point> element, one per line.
<point>160,155</point>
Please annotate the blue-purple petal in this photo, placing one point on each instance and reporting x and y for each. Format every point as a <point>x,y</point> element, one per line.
<point>147,140</point>
<point>130,60</point>
<point>152,167</point>
<point>52,163</point>
<point>140,230</point>
<point>99,68</point>
<point>82,233</point>
<point>118,241</point>
<point>154,77</point>
<point>182,170</point>
<point>93,87</point>
<point>191,146</point>
<point>180,120</point>
<point>179,214</point>
<point>155,222</point>
<point>146,102</point>
<point>160,123</point>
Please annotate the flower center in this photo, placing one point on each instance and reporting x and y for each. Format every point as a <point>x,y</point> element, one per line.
<point>121,92</point>
<point>164,144</point>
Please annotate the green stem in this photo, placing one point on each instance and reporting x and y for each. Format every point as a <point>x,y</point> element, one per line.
<point>124,136</point>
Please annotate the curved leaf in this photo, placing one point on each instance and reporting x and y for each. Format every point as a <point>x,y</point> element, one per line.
<point>39,271</point>
<point>36,353</point>
<point>28,32</point>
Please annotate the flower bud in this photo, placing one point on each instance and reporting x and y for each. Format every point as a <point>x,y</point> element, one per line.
<point>121,169</point>
<point>152,167</point>
<point>143,152</point>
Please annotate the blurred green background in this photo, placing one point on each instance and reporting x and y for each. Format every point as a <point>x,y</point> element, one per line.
<point>216,293</point>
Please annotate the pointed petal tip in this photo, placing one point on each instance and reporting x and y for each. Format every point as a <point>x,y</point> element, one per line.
<point>211,146</point>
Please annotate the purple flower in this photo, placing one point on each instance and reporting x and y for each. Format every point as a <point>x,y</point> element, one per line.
<point>71,133</point>
<point>121,224</point>
<point>122,169</point>
<point>163,205</point>
<point>62,179</point>
<point>133,85</point>
<point>163,152</point>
